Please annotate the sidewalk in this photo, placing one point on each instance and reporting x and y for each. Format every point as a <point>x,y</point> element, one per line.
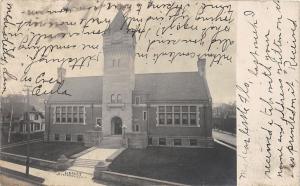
<point>7,180</point>
<point>67,178</point>
<point>86,162</point>
<point>228,138</point>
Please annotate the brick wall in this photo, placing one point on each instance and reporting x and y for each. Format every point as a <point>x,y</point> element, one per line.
<point>92,112</point>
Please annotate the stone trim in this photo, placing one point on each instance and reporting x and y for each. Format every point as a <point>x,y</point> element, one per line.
<point>185,141</point>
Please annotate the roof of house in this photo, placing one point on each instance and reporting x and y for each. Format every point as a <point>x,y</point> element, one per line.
<point>17,109</point>
<point>159,86</point>
<point>173,86</point>
<point>82,89</point>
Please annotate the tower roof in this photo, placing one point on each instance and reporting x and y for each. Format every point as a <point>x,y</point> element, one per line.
<point>118,23</point>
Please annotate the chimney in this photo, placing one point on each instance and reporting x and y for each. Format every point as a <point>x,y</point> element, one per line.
<point>61,73</point>
<point>201,64</point>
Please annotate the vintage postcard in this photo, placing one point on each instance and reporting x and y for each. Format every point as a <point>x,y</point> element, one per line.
<point>149,92</point>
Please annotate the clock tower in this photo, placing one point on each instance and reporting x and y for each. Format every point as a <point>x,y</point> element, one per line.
<point>118,77</point>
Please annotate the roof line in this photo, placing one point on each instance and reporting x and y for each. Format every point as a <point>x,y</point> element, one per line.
<point>137,74</point>
<point>82,76</point>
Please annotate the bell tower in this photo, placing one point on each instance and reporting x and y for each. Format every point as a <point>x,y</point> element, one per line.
<point>118,75</point>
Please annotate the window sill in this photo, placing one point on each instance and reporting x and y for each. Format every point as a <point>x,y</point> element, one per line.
<point>116,105</point>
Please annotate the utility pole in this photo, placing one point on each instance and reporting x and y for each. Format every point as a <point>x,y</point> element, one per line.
<point>27,124</point>
<point>11,117</point>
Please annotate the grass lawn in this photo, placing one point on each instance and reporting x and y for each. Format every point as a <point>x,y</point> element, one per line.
<point>183,165</point>
<point>48,151</point>
<point>17,137</point>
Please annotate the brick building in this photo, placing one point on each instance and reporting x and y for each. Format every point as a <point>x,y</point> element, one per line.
<point>166,109</point>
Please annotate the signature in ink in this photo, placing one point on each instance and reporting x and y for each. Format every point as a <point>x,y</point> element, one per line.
<point>7,76</point>
<point>39,91</point>
<point>7,45</point>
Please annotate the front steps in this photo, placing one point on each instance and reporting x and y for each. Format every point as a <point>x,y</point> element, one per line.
<point>87,163</point>
<point>111,142</point>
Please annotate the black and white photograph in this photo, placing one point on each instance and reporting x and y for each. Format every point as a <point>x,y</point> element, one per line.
<point>148,92</point>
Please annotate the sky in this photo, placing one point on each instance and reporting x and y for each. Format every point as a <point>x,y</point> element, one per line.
<point>221,77</point>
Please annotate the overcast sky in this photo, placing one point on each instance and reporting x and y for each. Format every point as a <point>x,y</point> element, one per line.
<point>221,78</point>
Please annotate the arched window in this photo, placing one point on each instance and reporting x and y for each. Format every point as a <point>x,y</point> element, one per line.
<point>113,98</point>
<point>119,98</point>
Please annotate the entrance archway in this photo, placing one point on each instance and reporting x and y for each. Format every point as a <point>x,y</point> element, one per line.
<point>116,125</point>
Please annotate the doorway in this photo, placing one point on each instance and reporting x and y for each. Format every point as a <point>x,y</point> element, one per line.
<point>116,125</point>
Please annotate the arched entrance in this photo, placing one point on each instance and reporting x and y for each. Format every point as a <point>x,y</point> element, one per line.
<point>116,126</point>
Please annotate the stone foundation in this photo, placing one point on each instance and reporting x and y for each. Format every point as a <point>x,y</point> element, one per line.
<point>137,140</point>
<point>92,138</point>
<point>200,142</point>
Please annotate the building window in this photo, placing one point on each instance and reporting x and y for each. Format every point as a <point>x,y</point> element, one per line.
<point>177,142</point>
<point>185,110</point>
<point>81,114</point>
<point>184,118</point>
<point>169,115</point>
<point>37,127</point>
<point>177,118</point>
<point>36,117</point>
<point>193,114</point>
<point>161,119</point>
<point>113,98</point>
<point>161,108</point>
<point>137,100</point>
<point>63,114</point>
<point>162,141</point>
<point>75,114</point>
<point>57,114</point>
<point>79,138</point>
<point>119,63</point>
<point>144,115</point>
<point>119,98</point>
<point>193,142</point>
<point>178,115</point>
<point>169,119</point>
<point>68,137</point>
<point>56,137</point>
<point>193,120</point>
<point>199,115</point>
<point>31,127</point>
<point>169,108</point>
<point>99,122</point>
<point>137,128</point>
<point>150,141</point>
<point>114,61</point>
<point>70,114</point>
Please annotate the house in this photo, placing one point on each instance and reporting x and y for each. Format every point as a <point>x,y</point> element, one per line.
<point>36,122</point>
<point>159,109</point>
<point>13,109</point>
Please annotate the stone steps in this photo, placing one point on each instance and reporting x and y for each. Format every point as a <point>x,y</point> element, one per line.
<point>111,142</point>
<point>85,163</point>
